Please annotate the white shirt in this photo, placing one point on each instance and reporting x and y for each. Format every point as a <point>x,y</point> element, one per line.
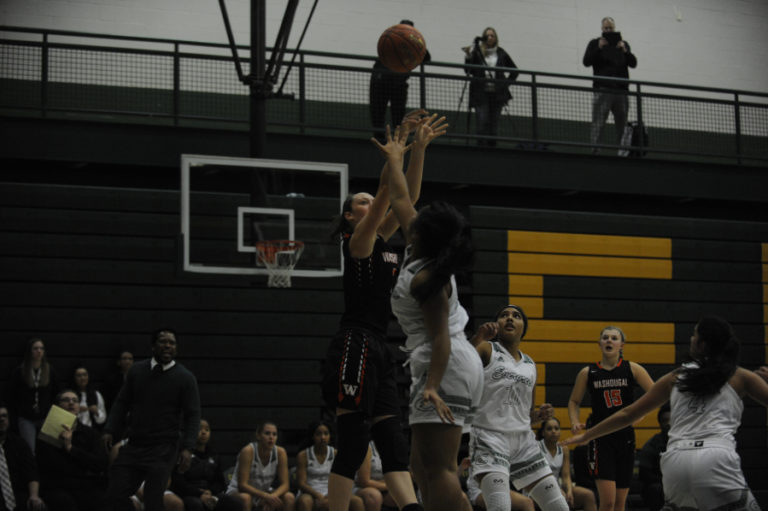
<point>408,310</point>
<point>507,392</point>
<point>261,475</point>
<point>101,413</point>
<point>696,418</point>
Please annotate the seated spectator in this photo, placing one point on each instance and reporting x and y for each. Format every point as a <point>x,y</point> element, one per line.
<point>313,466</point>
<point>649,458</point>
<point>114,382</point>
<point>72,477</point>
<point>519,501</point>
<point>369,482</point>
<point>201,485</point>
<point>91,410</point>
<point>559,460</point>
<point>19,483</point>
<point>259,465</point>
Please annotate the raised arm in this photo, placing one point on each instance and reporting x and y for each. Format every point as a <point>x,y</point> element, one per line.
<point>574,402</point>
<point>485,333</point>
<point>364,236</point>
<point>654,398</point>
<point>754,385</point>
<point>399,198</point>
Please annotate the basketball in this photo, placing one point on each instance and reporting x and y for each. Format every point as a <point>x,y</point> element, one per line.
<point>401,48</point>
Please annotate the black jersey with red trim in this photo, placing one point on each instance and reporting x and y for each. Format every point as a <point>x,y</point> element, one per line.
<point>368,286</point>
<point>610,390</point>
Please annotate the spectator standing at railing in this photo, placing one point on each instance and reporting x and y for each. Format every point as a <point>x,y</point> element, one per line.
<point>610,56</point>
<point>489,88</point>
<point>388,87</point>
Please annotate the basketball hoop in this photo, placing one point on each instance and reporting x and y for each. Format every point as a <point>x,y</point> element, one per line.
<point>279,257</point>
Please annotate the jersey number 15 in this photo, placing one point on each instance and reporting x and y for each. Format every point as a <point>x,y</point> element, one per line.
<point>612,398</point>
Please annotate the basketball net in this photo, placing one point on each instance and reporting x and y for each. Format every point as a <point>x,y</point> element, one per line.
<point>279,257</point>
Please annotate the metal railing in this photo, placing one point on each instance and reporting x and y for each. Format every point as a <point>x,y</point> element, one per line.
<point>60,74</point>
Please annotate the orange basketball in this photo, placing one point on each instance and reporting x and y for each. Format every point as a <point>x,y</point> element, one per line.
<point>401,48</point>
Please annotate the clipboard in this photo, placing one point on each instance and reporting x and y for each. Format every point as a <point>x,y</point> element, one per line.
<point>54,424</point>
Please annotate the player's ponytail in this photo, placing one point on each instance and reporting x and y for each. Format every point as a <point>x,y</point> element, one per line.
<point>340,224</point>
<point>442,235</point>
<point>716,355</point>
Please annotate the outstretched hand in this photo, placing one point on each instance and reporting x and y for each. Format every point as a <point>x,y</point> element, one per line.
<point>578,428</point>
<point>574,440</point>
<point>396,143</point>
<point>431,127</point>
<point>413,119</point>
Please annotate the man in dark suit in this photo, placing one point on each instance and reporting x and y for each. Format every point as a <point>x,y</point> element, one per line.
<point>162,404</point>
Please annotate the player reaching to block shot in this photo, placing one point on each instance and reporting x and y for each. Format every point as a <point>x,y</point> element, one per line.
<point>446,372</point>
<point>359,381</point>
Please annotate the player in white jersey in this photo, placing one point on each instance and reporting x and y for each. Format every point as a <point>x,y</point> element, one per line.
<point>559,459</point>
<point>700,467</point>
<point>502,446</point>
<point>446,373</point>
<point>258,465</point>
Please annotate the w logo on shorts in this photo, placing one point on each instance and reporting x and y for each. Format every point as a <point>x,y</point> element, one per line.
<point>350,390</point>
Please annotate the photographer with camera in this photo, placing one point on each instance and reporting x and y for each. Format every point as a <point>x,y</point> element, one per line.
<point>489,88</point>
<point>610,56</point>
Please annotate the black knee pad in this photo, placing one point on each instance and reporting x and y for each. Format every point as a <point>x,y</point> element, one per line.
<point>353,438</point>
<point>391,444</point>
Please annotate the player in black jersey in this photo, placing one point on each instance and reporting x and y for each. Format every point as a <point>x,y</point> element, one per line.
<point>610,384</point>
<point>359,381</point>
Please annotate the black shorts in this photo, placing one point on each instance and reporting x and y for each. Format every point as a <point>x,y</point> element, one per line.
<point>360,374</point>
<point>612,457</point>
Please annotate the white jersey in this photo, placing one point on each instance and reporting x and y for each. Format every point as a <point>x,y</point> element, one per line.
<point>556,461</point>
<point>317,473</point>
<point>695,418</point>
<point>507,392</point>
<point>408,310</point>
<point>261,475</point>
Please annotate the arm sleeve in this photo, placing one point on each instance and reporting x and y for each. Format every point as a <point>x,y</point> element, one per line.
<point>591,53</point>
<point>116,418</point>
<point>631,59</point>
<point>218,484</point>
<point>510,63</point>
<point>101,415</point>
<point>191,407</point>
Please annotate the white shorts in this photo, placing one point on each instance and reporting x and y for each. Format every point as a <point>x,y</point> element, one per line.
<point>704,474</point>
<point>516,453</point>
<point>461,387</point>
